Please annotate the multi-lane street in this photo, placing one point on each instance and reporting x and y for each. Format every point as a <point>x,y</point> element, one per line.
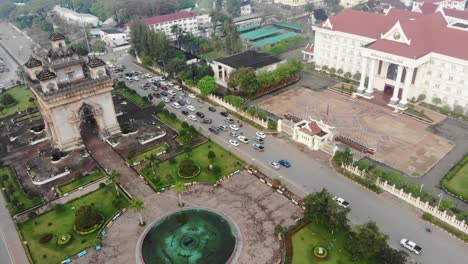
<point>394,217</point>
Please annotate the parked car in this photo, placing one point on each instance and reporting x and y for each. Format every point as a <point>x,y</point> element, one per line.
<point>259,140</point>
<point>181,102</point>
<point>192,95</point>
<point>284,163</point>
<point>177,87</point>
<point>212,109</point>
<point>341,202</point>
<point>200,114</point>
<point>275,165</point>
<point>243,139</point>
<point>192,117</point>
<point>260,134</point>
<point>234,134</point>
<point>176,105</point>
<point>234,142</point>
<point>206,121</point>
<point>191,108</point>
<point>185,112</point>
<point>171,92</point>
<point>164,93</point>
<point>225,114</point>
<point>165,99</point>
<point>411,246</point>
<point>214,129</point>
<point>258,147</point>
<point>135,78</point>
<point>223,127</point>
<point>229,120</point>
<point>234,127</point>
<point>129,78</point>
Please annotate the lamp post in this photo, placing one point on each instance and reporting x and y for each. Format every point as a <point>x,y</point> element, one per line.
<point>440,199</point>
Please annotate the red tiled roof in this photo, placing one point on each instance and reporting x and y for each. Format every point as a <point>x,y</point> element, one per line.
<point>427,8</point>
<point>168,17</point>
<point>436,1</point>
<point>456,13</point>
<point>312,129</point>
<point>309,48</point>
<point>427,32</point>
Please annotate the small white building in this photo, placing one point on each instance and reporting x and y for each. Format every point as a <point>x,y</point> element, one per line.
<point>259,61</point>
<point>245,8</point>
<point>248,20</point>
<point>113,37</point>
<point>75,18</point>
<point>186,21</point>
<point>308,52</point>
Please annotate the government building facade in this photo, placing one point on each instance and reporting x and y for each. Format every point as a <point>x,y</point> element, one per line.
<point>400,54</point>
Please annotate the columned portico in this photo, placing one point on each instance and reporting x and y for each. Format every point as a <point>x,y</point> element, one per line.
<point>396,89</point>
<point>403,104</point>
<point>362,82</point>
<point>370,84</point>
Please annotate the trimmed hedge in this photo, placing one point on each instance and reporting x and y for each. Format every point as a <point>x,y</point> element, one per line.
<point>64,242</point>
<point>456,169</point>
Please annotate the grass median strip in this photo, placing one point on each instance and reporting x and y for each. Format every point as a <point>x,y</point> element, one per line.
<point>80,182</point>
<point>17,200</point>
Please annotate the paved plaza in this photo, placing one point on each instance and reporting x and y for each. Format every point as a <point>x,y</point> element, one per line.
<point>253,207</point>
<point>401,142</point>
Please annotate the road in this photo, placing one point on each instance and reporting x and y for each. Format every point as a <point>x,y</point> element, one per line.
<point>11,250</point>
<point>16,42</point>
<point>394,217</point>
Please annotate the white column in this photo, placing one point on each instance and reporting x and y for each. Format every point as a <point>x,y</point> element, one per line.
<point>370,88</point>
<point>404,94</point>
<point>394,99</point>
<point>362,82</point>
<point>222,73</point>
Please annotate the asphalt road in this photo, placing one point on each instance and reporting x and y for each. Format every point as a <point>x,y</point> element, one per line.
<point>394,217</point>
<point>8,79</point>
<point>17,43</point>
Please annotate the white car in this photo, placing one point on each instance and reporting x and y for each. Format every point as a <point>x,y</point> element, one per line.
<point>170,84</point>
<point>260,134</point>
<point>234,142</point>
<point>275,165</point>
<point>177,87</point>
<point>243,139</point>
<point>148,75</point>
<point>171,92</point>
<point>411,246</point>
<point>341,202</point>
<point>191,95</point>
<point>191,108</point>
<point>136,78</point>
<point>166,100</point>
<point>128,78</point>
<point>192,117</point>
<point>234,127</point>
<point>176,105</point>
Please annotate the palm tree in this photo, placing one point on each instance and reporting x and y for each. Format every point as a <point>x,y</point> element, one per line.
<point>152,159</point>
<point>217,43</point>
<point>114,177</point>
<point>137,205</point>
<point>180,188</point>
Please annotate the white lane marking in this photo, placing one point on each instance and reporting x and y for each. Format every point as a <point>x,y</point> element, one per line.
<point>6,246</point>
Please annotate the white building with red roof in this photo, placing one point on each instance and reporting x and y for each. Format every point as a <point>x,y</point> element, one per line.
<point>400,53</point>
<point>185,20</point>
<point>430,4</point>
<point>314,134</point>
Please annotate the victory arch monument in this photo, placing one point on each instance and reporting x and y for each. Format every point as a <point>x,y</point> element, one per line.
<point>73,92</point>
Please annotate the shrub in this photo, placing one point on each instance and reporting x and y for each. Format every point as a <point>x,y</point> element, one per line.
<point>45,238</point>
<point>357,76</point>
<point>272,124</point>
<point>188,168</point>
<point>172,160</point>
<point>348,75</point>
<point>436,100</point>
<point>217,171</point>
<point>32,215</point>
<point>458,109</point>
<point>102,185</point>
<point>421,97</point>
<point>211,155</point>
<point>64,240</point>
<point>363,164</point>
<point>86,219</point>
<point>340,71</point>
<point>394,178</point>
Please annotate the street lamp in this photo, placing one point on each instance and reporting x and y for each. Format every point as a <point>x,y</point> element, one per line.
<point>440,199</point>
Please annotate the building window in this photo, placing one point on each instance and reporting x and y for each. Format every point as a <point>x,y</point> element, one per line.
<point>380,68</point>
<point>70,75</point>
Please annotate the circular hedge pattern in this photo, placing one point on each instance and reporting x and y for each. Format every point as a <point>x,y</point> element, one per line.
<point>317,254</point>
<point>64,240</point>
<point>188,169</point>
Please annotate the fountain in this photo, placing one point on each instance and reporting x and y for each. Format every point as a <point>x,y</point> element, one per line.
<point>190,236</point>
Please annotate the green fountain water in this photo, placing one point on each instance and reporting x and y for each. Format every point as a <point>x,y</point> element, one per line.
<point>189,237</point>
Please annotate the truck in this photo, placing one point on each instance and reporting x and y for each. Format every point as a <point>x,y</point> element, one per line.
<point>411,246</point>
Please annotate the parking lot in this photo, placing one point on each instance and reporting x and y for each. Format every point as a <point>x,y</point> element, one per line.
<point>7,70</point>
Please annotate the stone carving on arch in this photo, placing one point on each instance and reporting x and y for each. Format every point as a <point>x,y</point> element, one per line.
<point>75,116</point>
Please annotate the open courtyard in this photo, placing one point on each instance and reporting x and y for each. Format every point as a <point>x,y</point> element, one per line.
<point>401,142</point>
<point>252,206</point>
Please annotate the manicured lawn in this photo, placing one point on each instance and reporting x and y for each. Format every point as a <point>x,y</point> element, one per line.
<point>458,184</point>
<point>314,235</point>
<point>35,115</point>
<point>79,182</point>
<point>134,97</point>
<point>177,126</point>
<point>167,171</point>
<point>22,94</point>
<point>144,155</point>
<point>18,201</point>
<point>213,55</point>
<point>59,222</point>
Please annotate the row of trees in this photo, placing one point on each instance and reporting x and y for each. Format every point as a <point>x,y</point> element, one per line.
<point>248,82</point>
<point>364,242</point>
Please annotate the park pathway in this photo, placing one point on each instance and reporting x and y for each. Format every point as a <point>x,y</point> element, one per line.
<point>108,159</point>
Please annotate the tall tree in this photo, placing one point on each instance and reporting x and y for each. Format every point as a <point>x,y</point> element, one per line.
<point>137,206</point>
<point>207,85</point>
<point>245,80</point>
<point>180,188</point>
<point>366,241</point>
<point>152,159</point>
<point>114,177</point>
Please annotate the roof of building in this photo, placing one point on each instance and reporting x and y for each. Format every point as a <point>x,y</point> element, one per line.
<point>168,17</point>
<point>260,33</point>
<point>33,62</point>
<point>313,129</point>
<point>249,28</point>
<point>45,75</point>
<point>56,36</point>
<point>426,32</point>
<point>288,26</point>
<point>245,2</point>
<point>427,8</point>
<point>111,31</point>
<point>309,48</point>
<point>436,1</point>
<point>95,62</point>
<point>456,13</point>
<point>249,59</point>
<point>273,40</point>
<point>244,18</point>
<point>66,52</point>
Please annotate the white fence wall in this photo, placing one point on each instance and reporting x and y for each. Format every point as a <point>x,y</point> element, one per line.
<point>415,201</point>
